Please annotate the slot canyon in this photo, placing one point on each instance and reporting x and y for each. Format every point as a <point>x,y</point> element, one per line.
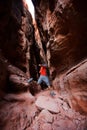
<point>55,34</point>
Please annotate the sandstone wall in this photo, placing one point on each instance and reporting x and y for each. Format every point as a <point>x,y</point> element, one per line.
<point>16,32</point>
<point>62,25</point>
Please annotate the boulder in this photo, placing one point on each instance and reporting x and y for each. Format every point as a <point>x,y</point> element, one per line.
<point>47,103</point>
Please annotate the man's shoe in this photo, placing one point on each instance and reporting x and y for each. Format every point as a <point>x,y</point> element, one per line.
<point>52,93</point>
<point>30,80</point>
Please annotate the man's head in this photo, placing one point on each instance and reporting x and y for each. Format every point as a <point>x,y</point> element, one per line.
<point>43,64</point>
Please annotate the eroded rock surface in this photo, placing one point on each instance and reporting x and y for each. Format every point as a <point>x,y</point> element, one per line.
<point>76,83</point>
<point>62,26</point>
<point>65,119</point>
<point>47,103</point>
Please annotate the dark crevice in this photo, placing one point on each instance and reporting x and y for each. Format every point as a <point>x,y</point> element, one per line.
<point>44,47</point>
<point>36,2</point>
<point>80,6</point>
<point>35,60</point>
<point>51,5</point>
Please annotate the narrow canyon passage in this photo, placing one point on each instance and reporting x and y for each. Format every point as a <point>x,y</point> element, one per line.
<point>36,32</point>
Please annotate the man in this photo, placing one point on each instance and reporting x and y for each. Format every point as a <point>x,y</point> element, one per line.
<point>43,75</point>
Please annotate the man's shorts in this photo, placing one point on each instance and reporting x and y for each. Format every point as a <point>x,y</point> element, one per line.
<point>44,79</point>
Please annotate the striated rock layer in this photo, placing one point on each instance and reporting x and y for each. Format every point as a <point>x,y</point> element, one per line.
<point>76,84</point>
<point>62,25</point>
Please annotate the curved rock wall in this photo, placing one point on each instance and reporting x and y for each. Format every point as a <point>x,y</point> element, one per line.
<point>62,24</point>
<point>76,82</point>
<point>17,44</point>
<point>16,33</point>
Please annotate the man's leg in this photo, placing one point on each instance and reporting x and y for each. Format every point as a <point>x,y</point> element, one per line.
<point>46,80</point>
<point>39,80</point>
